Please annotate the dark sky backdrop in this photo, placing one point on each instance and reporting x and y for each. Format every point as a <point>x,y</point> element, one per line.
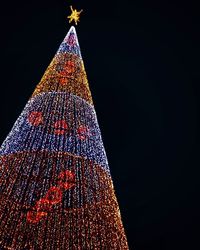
<point>142,61</point>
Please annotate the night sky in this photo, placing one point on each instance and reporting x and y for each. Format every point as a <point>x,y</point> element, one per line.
<point>142,61</point>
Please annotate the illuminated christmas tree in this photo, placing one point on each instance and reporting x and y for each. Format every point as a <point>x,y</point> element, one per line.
<point>56,190</point>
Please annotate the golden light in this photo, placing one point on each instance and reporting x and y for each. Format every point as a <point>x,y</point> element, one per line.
<point>75,15</point>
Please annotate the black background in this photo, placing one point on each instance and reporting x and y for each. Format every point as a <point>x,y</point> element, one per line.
<point>142,61</point>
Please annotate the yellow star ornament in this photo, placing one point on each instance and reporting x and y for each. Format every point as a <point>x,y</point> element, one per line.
<point>75,15</point>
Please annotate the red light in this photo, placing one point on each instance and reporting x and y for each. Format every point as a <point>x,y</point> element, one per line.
<point>60,127</point>
<point>83,132</point>
<point>35,216</point>
<point>54,195</point>
<point>35,118</point>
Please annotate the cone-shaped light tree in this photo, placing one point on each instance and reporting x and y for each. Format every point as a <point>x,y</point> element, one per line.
<point>56,190</point>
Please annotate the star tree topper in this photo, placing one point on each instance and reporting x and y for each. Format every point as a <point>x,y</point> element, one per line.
<point>75,15</point>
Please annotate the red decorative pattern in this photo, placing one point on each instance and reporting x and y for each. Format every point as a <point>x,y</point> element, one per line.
<point>35,118</point>
<point>60,127</point>
<point>66,180</point>
<point>83,132</point>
